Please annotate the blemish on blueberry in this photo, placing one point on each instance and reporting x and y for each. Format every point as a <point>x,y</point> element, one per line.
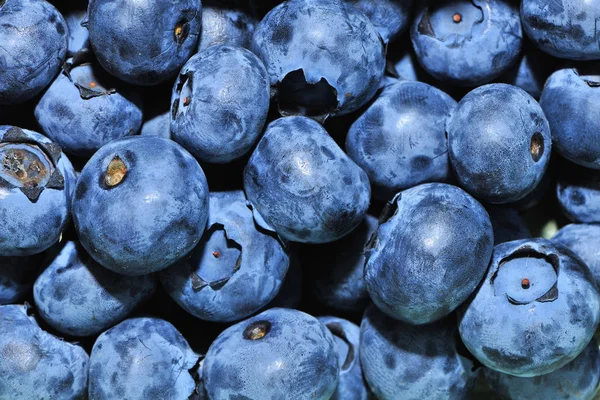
<point>257,330</point>
<point>537,146</point>
<point>181,31</point>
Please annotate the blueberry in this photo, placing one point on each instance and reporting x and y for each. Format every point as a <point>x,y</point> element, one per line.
<point>430,254</point>
<point>34,45</point>
<point>141,358</point>
<point>279,353</point>
<point>570,101</point>
<point>36,365</point>
<point>159,125</point>
<point>236,269</point>
<point>210,114</point>
<point>408,362</point>
<point>36,182</point>
<point>507,224</point>
<point>303,184</point>
<point>578,193</point>
<point>16,277</point>
<point>144,43</point>
<point>400,140</point>
<point>584,240</point>
<point>577,380</point>
<point>222,24</point>
<point>324,57</point>
<point>78,38</point>
<point>85,108</point>
<point>390,17</point>
<point>140,204</point>
<point>466,42</point>
<point>536,310</point>
<point>530,71</point>
<point>351,385</point>
<point>499,142</point>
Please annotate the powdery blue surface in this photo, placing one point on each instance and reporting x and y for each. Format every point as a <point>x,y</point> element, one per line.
<point>578,193</point>
<point>78,38</point>
<point>225,25</point>
<point>159,125</point>
<point>390,17</point>
<point>584,240</point>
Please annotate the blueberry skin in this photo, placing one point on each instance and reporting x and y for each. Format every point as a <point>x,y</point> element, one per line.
<point>222,24</point>
<point>244,274</point>
<point>390,17</point>
<point>36,364</point>
<point>144,43</point>
<point>578,193</point>
<point>31,225</point>
<point>529,72</point>
<point>303,184</point>
<point>499,142</point>
<point>408,362</point>
<point>351,385</point>
<point>79,38</point>
<point>210,114</point>
<point>159,125</point>
<point>83,109</point>
<point>430,255</point>
<point>400,139</point>
<point>34,45</point>
<point>578,380</point>
<point>474,51</point>
<point>570,101</point>
<point>153,217</point>
<point>563,29</point>
<point>279,353</point>
<point>141,358</point>
<point>507,224</point>
<point>16,277</point>
<point>527,319</point>
<point>583,240</point>
<point>329,41</point>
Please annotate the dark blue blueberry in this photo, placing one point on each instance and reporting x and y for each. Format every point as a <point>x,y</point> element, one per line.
<point>36,365</point>
<point>279,353</point>
<point>430,254</point>
<point>16,277</point>
<point>401,361</point>
<point>499,142</point>
<point>578,193</point>
<point>507,224</point>
<point>390,17</point>
<point>537,309</point>
<point>159,125</point>
<point>141,359</point>
<point>220,103</point>
<point>467,42</point>
<point>140,204</point>
<point>303,184</point>
<point>530,71</point>
<point>400,140</point>
<point>78,38</point>
<point>144,42</point>
<point>222,24</point>
<point>324,57</point>
<point>584,240</point>
<point>34,45</point>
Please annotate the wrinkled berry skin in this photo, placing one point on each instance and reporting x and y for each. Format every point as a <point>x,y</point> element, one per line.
<point>35,364</point>
<point>296,356</point>
<point>79,297</point>
<point>507,224</point>
<point>578,380</point>
<point>141,358</point>
<point>563,29</point>
<point>578,193</point>
<point>152,217</point>
<point>85,108</point>
<point>400,140</point>
<point>303,184</point>
<point>79,37</point>
<point>583,240</point>
<point>210,114</point>
<point>225,25</point>
<point>477,49</point>
<point>328,40</point>
<point>570,102</point>
<point>160,125</point>
<point>31,225</point>
<point>390,17</point>
<point>34,45</point>
<point>351,385</point>
<point>536,310</point>
<point>16,277</point>
<point>144,43</point>
<point>235,270</point>
<point>401,361</point>
<point>499,143</point>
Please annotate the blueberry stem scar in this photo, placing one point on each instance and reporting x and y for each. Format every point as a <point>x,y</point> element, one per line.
<point>457,18</point>
<point>525,284</point>
<point>115,172</point>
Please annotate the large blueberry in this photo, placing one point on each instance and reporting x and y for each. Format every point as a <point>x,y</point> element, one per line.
<point>140,204</point>
<point>236,269</point>
<point>400,139</point>
<point>16,277</point>
<point>584,240</point>
<point>279,353</point>
<point>78,38</point>
<point>390,17</point>
<point>36,365</point>
<point>303,184</point>
<point>401,361</point>
<point>430,254</point>
<point>499,142</point>
<point>507,224</point>
<point>34,45</point>
<point>223,24</point>
<point>210,113</point>
<point>36,182</point>
<point>324,57</point>
<point>85,108</point>
<point>537,309</point>
<point>578,193</point>
<point>467,42</point>
<point>141,358</point>
<point>158,125</point>
<point>570,102</point>
<point>144,42</point>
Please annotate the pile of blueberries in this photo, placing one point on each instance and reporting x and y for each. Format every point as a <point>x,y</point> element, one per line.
<point>301,199</point>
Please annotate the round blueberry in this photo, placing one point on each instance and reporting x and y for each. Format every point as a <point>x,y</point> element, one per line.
<point>390,17</point>
<point>584,240</point>
<point>578,193</point>
<point>222,24</point>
